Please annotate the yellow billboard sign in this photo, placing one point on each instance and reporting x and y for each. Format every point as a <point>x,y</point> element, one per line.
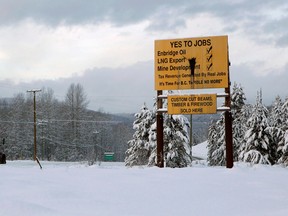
<point>191,63</point>
<point>192,104</point>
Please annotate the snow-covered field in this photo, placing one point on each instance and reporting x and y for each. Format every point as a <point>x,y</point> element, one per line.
<point>61,189</point>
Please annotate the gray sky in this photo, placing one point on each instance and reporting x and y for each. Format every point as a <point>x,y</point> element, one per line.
<point>108,46</point>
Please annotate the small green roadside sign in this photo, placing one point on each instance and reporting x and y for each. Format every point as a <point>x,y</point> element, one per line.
<point>108,156</point>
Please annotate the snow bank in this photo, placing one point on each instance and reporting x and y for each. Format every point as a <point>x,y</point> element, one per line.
<point>200,150</point>
<point>112,189</point>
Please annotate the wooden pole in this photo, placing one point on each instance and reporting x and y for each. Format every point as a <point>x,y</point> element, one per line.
<point>160,135</point>
<point>228,127</point>
<point>191,136</point>
<point>35,144</point>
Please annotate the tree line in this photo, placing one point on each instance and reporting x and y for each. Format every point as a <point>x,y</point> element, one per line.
<point>260,133</point>
<point>66,130</point>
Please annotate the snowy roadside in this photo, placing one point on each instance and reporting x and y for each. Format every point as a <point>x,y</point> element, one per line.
<point>73,188</point>
<point>68,189</point>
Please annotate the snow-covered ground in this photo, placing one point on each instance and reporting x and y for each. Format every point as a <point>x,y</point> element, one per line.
<point>200,150</point>
<point>61,189</point>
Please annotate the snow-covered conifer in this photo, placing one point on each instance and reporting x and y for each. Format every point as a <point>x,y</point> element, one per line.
<point>211,140</point>
<point>216,132</point>
<point>176,141</point>
<point>152,144</point>
<point>255,148</point>
<point>216,143</point>
<point>177,151</point>
<point>237,109</point>
<point>138,148</point>
<point>237,98</point>
<point>284,157</point>
<point>275,129</point>
<point>284,149</point>
<point>285,110</point>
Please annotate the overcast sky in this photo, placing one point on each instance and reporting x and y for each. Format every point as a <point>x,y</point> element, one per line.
<point>108,46</point>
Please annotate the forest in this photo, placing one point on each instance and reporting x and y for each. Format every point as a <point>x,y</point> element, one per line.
<point>260,135</point>
<point>66,130</point>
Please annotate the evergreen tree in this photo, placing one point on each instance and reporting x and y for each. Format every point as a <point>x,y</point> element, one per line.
<point>153,145</point>
<point>284,157</point>
<point>285,111</point>
<point>283,147</point>
<point>153,138</point>
<point>176,142</point>
<point>237,109</point>
<point>276,129</point>
<point>138,151</point>
<point>237,99</point>
<point>255,148</point>
<point>216,143</point>
<point>211,142</point>
<point>177,151</point>
<point>216,132</point>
